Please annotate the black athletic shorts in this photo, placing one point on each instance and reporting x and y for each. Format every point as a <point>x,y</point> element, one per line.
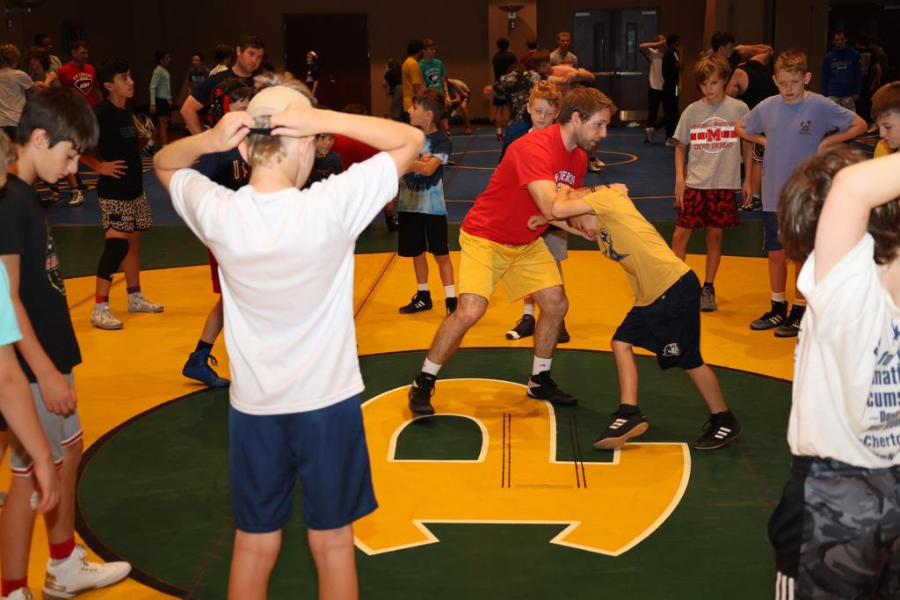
<point>163,108</point>
<point>669,327</point>
<point>420,232</point>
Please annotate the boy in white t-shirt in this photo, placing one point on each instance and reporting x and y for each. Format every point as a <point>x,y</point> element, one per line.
<point>706,190</point>
<point>286,263</point>
<point>836,529</point>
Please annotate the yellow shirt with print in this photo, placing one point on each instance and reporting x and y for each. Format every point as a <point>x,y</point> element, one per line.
<point>882,149</point>
<point>626,237</point>
<point>411,73</point>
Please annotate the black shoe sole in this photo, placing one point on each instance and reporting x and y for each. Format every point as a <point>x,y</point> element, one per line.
<point>786,334</point>
<point>404,311</point>
<point>572,402</point>
<point>614,443</point>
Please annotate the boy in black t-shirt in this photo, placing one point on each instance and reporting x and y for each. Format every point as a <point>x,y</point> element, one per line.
<point>327,161</point>
<point>125,211</point>
<point>55,128</point>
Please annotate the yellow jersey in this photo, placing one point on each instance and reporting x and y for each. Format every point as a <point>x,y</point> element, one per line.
<point>882,149</point>
<point>625,236</point>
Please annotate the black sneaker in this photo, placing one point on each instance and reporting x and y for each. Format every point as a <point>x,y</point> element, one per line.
<point>622,429</point>
<point>421,301</point>
<point>564,337</point>
<point>451,304</point>
<point>719,430</point>
<point>773,318</point>
<point>791,325</point>
<point>524,327</point>
<point>546,389</point>
<point>420,394</point>
<point>755,204</point>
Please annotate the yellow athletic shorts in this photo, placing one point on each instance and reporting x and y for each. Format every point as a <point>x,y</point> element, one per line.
<point>522,269</point>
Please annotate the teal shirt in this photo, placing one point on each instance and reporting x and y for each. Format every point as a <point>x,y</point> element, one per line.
<point>434,74</point>
<point>160,85</point>
<point>9,327</point>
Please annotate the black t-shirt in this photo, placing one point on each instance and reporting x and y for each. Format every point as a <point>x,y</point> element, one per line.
<point>324,167</point>
<point>228,169</point>
<point>205,90</point>
<point>670,70</point>
<point>24,231</point>
<point>119,141</point>
<point>759,83</point>
<point>502,62</point>
<point>394,77</point>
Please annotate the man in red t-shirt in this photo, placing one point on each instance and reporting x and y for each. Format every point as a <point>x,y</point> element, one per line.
<point>497,245</point>
<point>78,74</point>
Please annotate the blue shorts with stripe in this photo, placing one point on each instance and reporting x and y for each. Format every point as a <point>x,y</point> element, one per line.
<point>326,449</point>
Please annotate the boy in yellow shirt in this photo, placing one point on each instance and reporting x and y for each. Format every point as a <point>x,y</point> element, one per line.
<point>886,114</point>
<point>665,318</point>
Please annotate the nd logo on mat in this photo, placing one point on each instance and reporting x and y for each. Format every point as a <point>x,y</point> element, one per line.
<point>609,507</point>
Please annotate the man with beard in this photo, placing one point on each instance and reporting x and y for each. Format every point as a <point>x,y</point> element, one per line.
<point>497,245</point>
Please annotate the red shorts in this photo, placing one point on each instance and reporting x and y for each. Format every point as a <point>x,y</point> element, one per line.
<point>708,208</point>
<point>214,272</point>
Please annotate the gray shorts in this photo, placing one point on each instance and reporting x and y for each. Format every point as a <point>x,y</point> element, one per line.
<point>61,432</point>
<point>557,242</point>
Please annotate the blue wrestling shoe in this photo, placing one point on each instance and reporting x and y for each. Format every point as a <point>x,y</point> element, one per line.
<point>197,367</point>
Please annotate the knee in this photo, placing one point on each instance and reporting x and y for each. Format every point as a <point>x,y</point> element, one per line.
<point>469,312</point>
<point>714,235</point>
<point>554,303</point>
<point>331,540</point>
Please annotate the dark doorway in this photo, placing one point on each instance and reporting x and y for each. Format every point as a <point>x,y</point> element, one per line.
<point>342,43</point>
<point>606,42</point>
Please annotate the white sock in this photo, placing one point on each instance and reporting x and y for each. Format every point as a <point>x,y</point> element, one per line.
<point>499,131</point>
<point>450,291</point>
<point>423,287</point>
<point>540,365</point>
<point>779,297</point>
<point>528,309</point>
<point>431,368</point>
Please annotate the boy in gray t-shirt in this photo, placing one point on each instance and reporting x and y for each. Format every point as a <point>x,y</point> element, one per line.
<point>706,195</point>
<point>793,126</point>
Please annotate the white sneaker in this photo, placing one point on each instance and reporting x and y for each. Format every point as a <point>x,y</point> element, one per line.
<point>74,575</point>
<point>77,198</point>
<point>671,143</point>
<point>103,317</point>
<point>20,594</point>
<point>137,303</point>
<point>649,131</point>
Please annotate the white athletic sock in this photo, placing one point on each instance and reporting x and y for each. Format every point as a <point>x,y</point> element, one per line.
<point>540,365</point>
<point>450,291</point>
<point>431,368</point>
<point>423,287</point>
<point>778,297</point>
<point>528,309</point>
<point>499,131</point>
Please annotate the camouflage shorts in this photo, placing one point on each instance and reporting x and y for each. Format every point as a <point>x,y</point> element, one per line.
<point>836,532</point>
<point>126,216</point>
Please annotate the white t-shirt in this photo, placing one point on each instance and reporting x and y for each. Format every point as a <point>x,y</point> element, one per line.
<point>286,269</point>
<point>656,78</point>
<point>13,85</point>
<point>218,69</point>
<point>714,147</point>
<point>846,398</point>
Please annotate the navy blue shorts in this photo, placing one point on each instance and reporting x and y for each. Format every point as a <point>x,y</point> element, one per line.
<point>669,327</point>
<point>326,448</point>
<point>500,101</point>
<point>770,232</point>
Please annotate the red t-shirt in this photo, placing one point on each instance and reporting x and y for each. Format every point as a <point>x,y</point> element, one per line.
<point>352,151</point>
<point>83,79</point>
<point>501,212</point>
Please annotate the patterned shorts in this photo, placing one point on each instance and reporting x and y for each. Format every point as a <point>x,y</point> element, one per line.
<point>126,216</point>
<point>707,208</point>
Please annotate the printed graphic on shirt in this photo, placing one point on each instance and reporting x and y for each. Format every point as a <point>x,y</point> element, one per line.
<point>425,193</point>
<point>51,265</point>
<point>607,247</point>
<point>881,418</point>
<point>805,127</point>
<point>84,83</point>
<point>713,135</point>
<point>564,178</point>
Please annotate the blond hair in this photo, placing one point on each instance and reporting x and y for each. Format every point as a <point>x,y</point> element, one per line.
<point>705,67</point>
<point>9,56</point>
<point>265,149</point>
<point>792,61</point>
<point>546,90</point>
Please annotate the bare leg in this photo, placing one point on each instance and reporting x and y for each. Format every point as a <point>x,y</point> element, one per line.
<point>215,321</point>
<point>251,564</point>
<point>163,131</point>
<point>451,332</point>
<point>713,252</point>
<point>132,263</point>
<point>445,266</point>
<point>16,526</point>
<point>708,386</point>
<point>680,241</point>
<point>61,520</point>
<point>335,558</point>
<point>420,266</point>
<point>777,271</point>
<point>626,365</point>
<point>756,177</point>
<point>554,305</point>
